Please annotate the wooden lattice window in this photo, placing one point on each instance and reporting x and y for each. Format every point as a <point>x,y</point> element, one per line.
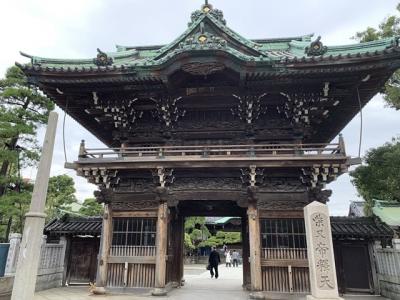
<point>283,233</point>
<point>134,231</point>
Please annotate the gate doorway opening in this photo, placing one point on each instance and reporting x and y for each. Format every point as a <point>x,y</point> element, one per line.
<point>219,224</point>
<point>201,235</point>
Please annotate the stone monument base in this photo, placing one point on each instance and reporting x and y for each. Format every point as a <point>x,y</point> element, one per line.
<point>159,292</point>
<point>99,290</point>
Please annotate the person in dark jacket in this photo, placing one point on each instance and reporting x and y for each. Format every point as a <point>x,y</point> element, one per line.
<point>214,261</point>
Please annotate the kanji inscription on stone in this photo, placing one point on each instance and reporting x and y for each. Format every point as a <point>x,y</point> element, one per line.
<point>321,247</point>
<point>321,260</point>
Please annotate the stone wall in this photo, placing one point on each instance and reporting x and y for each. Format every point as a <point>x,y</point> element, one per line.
<point>6,285</point>
<point>51,266</point>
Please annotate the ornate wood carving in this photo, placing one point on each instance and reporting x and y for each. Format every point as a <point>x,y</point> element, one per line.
<point>319,175</point>
<point>203,68</point>
<point>102,177</point>
<point>279,204</point>
<point>319,195</point>
<point>305,108</point>
<point>120,113</point>
<point>249,107</point>
<point>282,184</point>
<point>163,176</point>
<point>134,205</point>
<point>209,183</point>
<point>252,175</point>
<point>103,195</point>
<point>167,111</point>
<point>136,185</point>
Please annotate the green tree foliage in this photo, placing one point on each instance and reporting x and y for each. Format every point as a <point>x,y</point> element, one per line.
<point>222,238</point>
<point>91,207</point>
<point>196,231</point>
<point>380,177</point>
<point>188,242</point>
<point>23,108</point>
<point>60,193</point>
<point>15,204</point>
<point>389,27</point>
<point>197,235</point>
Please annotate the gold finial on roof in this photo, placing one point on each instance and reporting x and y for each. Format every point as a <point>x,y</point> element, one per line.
<point>206,7</point>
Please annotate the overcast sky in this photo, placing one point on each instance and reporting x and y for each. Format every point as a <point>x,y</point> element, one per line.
<point>75,28</point>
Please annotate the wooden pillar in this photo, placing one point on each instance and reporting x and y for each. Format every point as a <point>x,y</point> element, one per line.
<point>182,248</point>
<point>161,249</point>
<point>175,248</point>
<point>255,247</point>
<point>177,240</point>
<point>245,254</point>
<point>66,240</point>
<point>105,244</point>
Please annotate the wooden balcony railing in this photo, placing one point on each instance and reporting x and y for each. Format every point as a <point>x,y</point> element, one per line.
<point>215,151</point>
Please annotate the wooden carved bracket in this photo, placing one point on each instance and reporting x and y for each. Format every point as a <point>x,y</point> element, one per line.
<point>102,177</point>
<point>252,176</point>
<point>319,195</point>
<point>319,175</point>
<point>163,176</point>
<point>304,108</point>
<point>249,108</point>
<point>121,114</point>
<point>167,111</point>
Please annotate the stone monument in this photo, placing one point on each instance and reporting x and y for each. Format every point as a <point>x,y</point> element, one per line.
<point>321,259</point>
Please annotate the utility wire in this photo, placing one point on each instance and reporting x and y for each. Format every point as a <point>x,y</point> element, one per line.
<point>63,131</point>
<point>361,123</point>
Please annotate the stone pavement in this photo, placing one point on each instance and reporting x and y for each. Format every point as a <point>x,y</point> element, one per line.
<point>198,286</point>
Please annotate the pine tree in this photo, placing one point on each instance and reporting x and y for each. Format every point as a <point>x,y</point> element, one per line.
<point>23,109</point>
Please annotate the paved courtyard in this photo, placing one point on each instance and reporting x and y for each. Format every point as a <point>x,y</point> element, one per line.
<point>198,286</point>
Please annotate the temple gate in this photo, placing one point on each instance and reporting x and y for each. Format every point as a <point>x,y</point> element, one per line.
<point>213,124</point>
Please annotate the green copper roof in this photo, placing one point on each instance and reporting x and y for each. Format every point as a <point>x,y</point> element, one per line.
<point>388,212</point>
<point>225,220</point>
<point>207,33</point>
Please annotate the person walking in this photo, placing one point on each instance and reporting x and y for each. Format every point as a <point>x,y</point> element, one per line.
<point>228,258</point>
<point>235,258</point>
<point>213,262</point>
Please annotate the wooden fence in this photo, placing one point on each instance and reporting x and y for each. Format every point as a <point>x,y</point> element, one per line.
<point>388,269</point>
<point>131,266</point>
<point>52,256</point>
<point>285,270</point>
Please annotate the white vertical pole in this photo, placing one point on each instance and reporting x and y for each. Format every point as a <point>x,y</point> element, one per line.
<point>29,255</point>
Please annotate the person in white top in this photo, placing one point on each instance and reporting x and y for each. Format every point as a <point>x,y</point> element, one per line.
<point>228,258</point>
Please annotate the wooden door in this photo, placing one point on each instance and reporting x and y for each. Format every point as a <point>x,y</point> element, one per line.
<point>82,264</point>
<point>354,268</point>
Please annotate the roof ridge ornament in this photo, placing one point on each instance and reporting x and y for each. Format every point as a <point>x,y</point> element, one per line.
<point>316,48</point>
<point>207,8</point>
<point>102,59</point>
